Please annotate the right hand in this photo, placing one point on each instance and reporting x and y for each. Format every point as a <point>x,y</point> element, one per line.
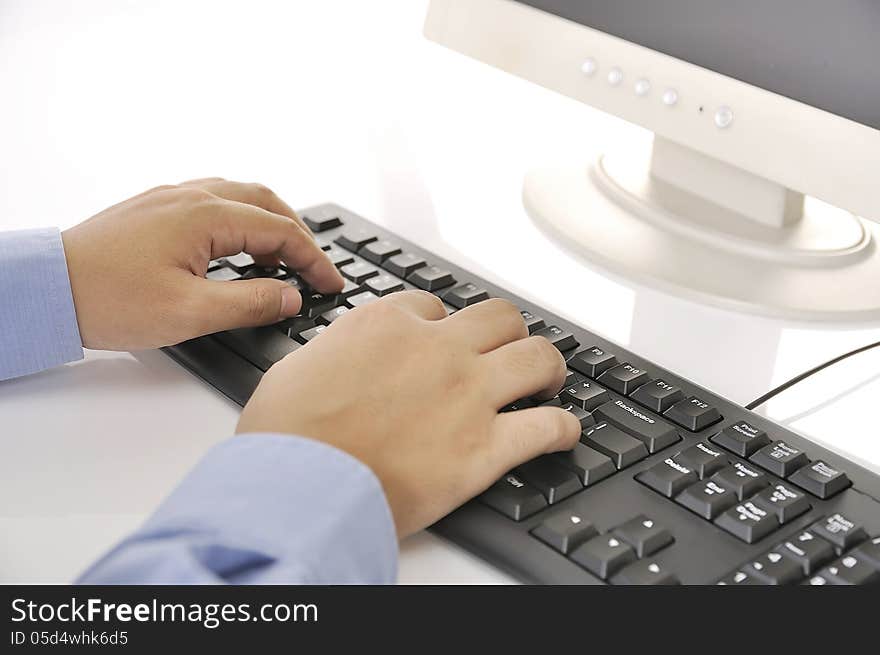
<point>415,396</point>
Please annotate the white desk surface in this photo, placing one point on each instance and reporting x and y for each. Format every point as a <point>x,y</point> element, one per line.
<point>337,100</point>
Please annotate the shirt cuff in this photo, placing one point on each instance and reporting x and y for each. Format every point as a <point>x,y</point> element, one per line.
<point>314,513</point>
<point>37,315</point>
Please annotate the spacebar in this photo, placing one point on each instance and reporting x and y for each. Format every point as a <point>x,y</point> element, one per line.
<point>655,433</point>
<point>262,346</point>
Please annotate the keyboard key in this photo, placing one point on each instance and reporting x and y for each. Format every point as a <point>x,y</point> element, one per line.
<point>644,535</point>
<point>359,272</point>
<point>644,572</point>
<point>741,438</point>
<point>513,497</point>
<point>774,568</point>
<point>592,361</point>
<point>586,395</point>
<point>257,272</point>
<point>240,262</point>
<point>384,284</point>
<point>320,220</point>
<point>214,264</point>
<point>744,479</point>
<point>655,433</point>
<point>603,555</point>
<point>784,501</point>
<point>223,275</point>
<point>870,550</point>
<point>349,288</point>
<point>668,477</point>
<point>332,314</point>
<point>842,532</point>
<point>780,458</point>
<point>739,579</point>
<point>624,378</point>
<point>307,335</point>
<point>560,338</point>
<point>354,239</point>
<point>748,522</point>
<point>522,403</point>
<point>403,264</point>
<point>565,532</point>
<point>820,479</point>
<point>534,323</point>
<point>581,414</point>
<point>589,465</point>
<point>548,477</point>
<point>431,278</point>
<point>693,414</point>
<point>465,295</point>
<point>378,251</point>
<point>702,459</point>
<point>851,569</point>
<point>808,550</point>
<point>360,299</point>
<point>619,446</point>
<point>261,346</point>
<point>707,498</point>
<point>658,395</point>
<point>339,257</point>
<point>314,304</point>
<point>572,378</point>
<point>553,402</point>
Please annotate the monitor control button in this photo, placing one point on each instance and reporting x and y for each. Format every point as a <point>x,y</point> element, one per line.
<point>642,87</point>
<point>589,66</point>
<point>670,97</point>
<point>615,76</point>
<point>723,117</point>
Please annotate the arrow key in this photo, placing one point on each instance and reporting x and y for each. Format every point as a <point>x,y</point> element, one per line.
<point>644,535</point>
<point>565,531</point>
<point>775,568</point>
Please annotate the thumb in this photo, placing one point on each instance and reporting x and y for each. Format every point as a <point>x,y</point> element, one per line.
<point>247,303</point>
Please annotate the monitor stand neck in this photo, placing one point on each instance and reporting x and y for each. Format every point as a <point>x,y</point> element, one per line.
<point>751,196</point>
<point>676,219</point>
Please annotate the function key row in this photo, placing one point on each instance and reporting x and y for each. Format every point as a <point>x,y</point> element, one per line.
<point>656,394</point>
<point>619,554</point>
<point>782,459</point>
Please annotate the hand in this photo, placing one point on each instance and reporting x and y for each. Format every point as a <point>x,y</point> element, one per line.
<point>415,396</point>
<point>137,269</point>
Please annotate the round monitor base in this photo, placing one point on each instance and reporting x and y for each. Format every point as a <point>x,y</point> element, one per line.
<point>822,267</point>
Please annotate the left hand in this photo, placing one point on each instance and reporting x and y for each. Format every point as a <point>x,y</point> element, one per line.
<point>137,269</point>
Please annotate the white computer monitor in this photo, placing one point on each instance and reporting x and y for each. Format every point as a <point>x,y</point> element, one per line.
<point>766,159</point>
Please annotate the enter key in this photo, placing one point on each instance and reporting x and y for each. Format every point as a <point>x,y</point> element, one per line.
<point>655,433</point>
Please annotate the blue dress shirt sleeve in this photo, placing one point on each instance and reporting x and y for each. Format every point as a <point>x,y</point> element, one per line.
<point>38,326</point>
<point>263,509</point>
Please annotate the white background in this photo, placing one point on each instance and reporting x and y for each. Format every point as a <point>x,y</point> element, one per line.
<point>334,100</point>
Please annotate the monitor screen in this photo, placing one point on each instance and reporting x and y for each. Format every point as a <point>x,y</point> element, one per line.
<point>824,53</point>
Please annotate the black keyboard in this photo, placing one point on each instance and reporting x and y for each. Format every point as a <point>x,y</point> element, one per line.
<point>669,484</point>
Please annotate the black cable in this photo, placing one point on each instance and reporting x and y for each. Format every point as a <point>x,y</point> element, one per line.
<point>803,376</point>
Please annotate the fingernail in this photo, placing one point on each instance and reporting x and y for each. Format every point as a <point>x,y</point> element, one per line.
<point>291,302</point>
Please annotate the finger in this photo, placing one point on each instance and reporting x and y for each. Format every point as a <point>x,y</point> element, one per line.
<point>489,324</point>
<point>254,194</point>
<point>201,180</point>
<point>237,227</point>
<point>242,303</point>
<point>524,368</point>
<point>520,436</point>
<point>421,303</point>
